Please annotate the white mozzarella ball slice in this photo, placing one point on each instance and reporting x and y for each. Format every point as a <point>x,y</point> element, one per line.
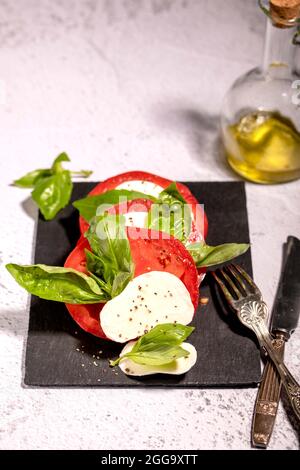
<point>177,367</point>
<point>136,219</point>
<point>148,300</point>
<point>146,187</point>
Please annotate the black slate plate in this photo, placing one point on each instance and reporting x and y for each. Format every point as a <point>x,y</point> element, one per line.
<point>227,352</point>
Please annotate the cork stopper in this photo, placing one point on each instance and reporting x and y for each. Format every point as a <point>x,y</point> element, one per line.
<point>284,12</point>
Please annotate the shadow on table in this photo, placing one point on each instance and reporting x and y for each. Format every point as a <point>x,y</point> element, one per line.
<point>30,208</point>
<point>202,132</point>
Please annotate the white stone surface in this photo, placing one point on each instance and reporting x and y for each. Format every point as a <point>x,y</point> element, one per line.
<point>126,84</point>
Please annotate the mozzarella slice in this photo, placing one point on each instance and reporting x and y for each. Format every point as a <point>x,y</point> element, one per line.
<point>148,300</point>
<point>180,366</point>
<point>136,219</point>
<point>145,187</point>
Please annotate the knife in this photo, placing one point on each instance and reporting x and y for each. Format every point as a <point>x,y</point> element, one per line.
<point>284,321</point>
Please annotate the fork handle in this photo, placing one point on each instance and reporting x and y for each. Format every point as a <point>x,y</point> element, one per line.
<point>290,384</point>
<point>268,396</point>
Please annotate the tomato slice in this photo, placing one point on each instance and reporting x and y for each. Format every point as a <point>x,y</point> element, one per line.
<point>199,227</point>
<point>150,252</point>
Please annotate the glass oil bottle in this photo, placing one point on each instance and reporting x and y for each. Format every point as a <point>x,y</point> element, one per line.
<point>260,119</point>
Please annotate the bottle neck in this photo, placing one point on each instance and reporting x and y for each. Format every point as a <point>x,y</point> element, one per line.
<point>281,56</point>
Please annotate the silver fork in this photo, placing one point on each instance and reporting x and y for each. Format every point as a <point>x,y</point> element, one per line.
<point>245,298</point>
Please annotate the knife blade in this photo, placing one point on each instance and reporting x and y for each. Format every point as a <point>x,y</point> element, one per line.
<point>284,320</point>
<point>287,305</point>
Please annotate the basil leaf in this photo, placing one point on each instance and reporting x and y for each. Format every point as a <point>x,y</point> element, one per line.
<point>171,194</point>
<point>53,193</point>
<point>99,271</point>
<point>172,215</point>
<point>112,256</point>
<point>159,346</point>
<point>174,219</point>
<point>63,157</point>
<point>205,255</point>
<point>171,333</point>
<point>102,285</point>
<point>52,186</point>
<point>57,164</point>
<point>90,206</point>
<point>108,239</point>
<point>94,264</point>
<point>120,281</point>
<point>159,356</point>
<point>82,173</point>
<point>56,283</point>
<point>31,178</point>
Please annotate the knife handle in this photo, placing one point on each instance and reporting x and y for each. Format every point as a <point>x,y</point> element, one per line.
<point>267,398</point>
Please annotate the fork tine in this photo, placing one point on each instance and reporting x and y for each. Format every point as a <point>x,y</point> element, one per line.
<point>231,283</point>
<point>248,279</point>
<point>238,279</point>
<point>226,292</point>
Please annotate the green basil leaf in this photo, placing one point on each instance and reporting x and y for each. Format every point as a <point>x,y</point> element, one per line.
<point>63,157</point>
<point>162,354</point>
<point>120,281</point>
<point>174,219</point>
<point>56,283</point>
<point>111,251</point>
<point>57,164</point>
<point>52,187</point>
<point>115,282</point>
<point>159,355</point>
<point>159,346</point>
<point>31,178</point>
<point>171,194</point>
<point>99,271</point>
<point>205,255</point>
<point>108,239</point>
<point>103,285</point>
<point>82,173</point>
<point>90,206</point>
<point>94,263</point>
<point>53,193</point>
<point>170,333</point>
<point>171,215</point>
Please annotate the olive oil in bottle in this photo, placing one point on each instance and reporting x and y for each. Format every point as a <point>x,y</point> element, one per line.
<point>264,147</point>
<point>260,117</point>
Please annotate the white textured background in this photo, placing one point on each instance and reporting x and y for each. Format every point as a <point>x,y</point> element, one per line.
<point>119,85</point>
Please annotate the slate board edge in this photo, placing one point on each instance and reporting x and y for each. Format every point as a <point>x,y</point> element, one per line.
<point>256,379</point>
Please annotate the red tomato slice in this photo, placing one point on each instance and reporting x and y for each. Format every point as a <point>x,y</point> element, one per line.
<point>199,229</point>
<point>149,253</point>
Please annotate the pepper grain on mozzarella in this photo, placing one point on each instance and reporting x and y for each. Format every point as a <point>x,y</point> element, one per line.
<point>177,367</point>
<point>148,300</point>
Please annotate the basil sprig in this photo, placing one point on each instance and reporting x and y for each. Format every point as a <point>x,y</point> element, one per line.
<point>111,252</point>
<point>110,268</point>
<point>59,284</point>
<point>52,187</point>
<point>171,214</point>
<point>205,255</point>
<point>162,345</point>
